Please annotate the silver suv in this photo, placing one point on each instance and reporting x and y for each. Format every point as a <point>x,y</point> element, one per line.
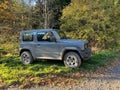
<point>52,44</point>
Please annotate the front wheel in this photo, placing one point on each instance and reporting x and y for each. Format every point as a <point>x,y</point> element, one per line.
<point>72,59</point>
<point>26,57</point>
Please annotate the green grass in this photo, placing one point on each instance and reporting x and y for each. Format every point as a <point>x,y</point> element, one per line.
<point>100,59</point>
<point>13,72</point>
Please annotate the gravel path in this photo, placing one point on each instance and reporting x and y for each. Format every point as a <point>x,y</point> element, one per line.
<point>106,81</point>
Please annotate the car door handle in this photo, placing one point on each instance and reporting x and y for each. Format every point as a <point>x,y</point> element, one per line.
<point>38,44</point>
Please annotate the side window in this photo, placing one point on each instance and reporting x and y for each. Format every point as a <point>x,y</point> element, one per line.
<point>40,36</point>
<point>28,36</point>
<point>44,36</point>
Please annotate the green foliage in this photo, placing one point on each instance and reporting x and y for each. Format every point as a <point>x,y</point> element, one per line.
<point>54,12</point>
<point>37,16</point>
<point>98,21</point>
<point>13,72</point>
<point>94,20</point>
<point>14,16</point>
<point>100,59</point>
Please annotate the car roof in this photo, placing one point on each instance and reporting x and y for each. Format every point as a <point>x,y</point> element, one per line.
<point>38,30</point>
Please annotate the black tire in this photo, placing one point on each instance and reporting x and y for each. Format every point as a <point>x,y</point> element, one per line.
<point>72,59</point>
<point>26,57</point>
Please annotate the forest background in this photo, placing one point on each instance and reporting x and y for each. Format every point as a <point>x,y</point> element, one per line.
<point>97,21</point>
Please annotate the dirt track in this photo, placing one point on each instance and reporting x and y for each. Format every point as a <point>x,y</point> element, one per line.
<point>108,80</point>
<point>96,82</point>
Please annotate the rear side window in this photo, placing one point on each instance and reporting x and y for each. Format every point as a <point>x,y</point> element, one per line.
<point>28,36</point>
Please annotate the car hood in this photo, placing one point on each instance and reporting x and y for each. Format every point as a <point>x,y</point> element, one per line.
<point>73,41</point>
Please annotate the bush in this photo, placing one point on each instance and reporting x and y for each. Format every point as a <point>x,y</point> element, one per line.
<point>94,20</point>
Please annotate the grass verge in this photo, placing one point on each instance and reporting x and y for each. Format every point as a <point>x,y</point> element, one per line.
<point>13,72</point>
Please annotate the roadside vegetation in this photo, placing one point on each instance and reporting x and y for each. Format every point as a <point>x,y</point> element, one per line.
<point>14,73</point>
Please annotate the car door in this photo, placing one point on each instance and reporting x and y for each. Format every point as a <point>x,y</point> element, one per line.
<point>45,49</point>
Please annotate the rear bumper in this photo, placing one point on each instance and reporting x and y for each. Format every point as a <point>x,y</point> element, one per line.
<point>86,54</point>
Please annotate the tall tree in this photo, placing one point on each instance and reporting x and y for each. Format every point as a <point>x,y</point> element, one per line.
<point>14,14</point>
<point>7,15</point>
<point>55,8</point>
<point>38,15</point>
<point>53,13</point>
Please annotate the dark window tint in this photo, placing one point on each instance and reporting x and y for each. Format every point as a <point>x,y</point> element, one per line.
<point>40,36</point>
<point>28,37</point>
<point>44,36</point>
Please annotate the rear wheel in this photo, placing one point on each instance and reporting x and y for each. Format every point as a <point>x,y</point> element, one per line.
<point>72,59</point>
<point>26,57</point>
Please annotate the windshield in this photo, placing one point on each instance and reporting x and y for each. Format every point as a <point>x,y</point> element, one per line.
<point>61,34</point>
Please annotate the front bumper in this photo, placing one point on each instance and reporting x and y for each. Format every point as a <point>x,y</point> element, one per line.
<point>86,54</point>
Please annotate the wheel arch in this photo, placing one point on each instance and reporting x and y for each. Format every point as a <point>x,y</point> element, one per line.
<point>22,50</point>
<point>70,50</point>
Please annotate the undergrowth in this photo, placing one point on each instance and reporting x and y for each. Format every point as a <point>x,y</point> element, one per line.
<point>13,72</point>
